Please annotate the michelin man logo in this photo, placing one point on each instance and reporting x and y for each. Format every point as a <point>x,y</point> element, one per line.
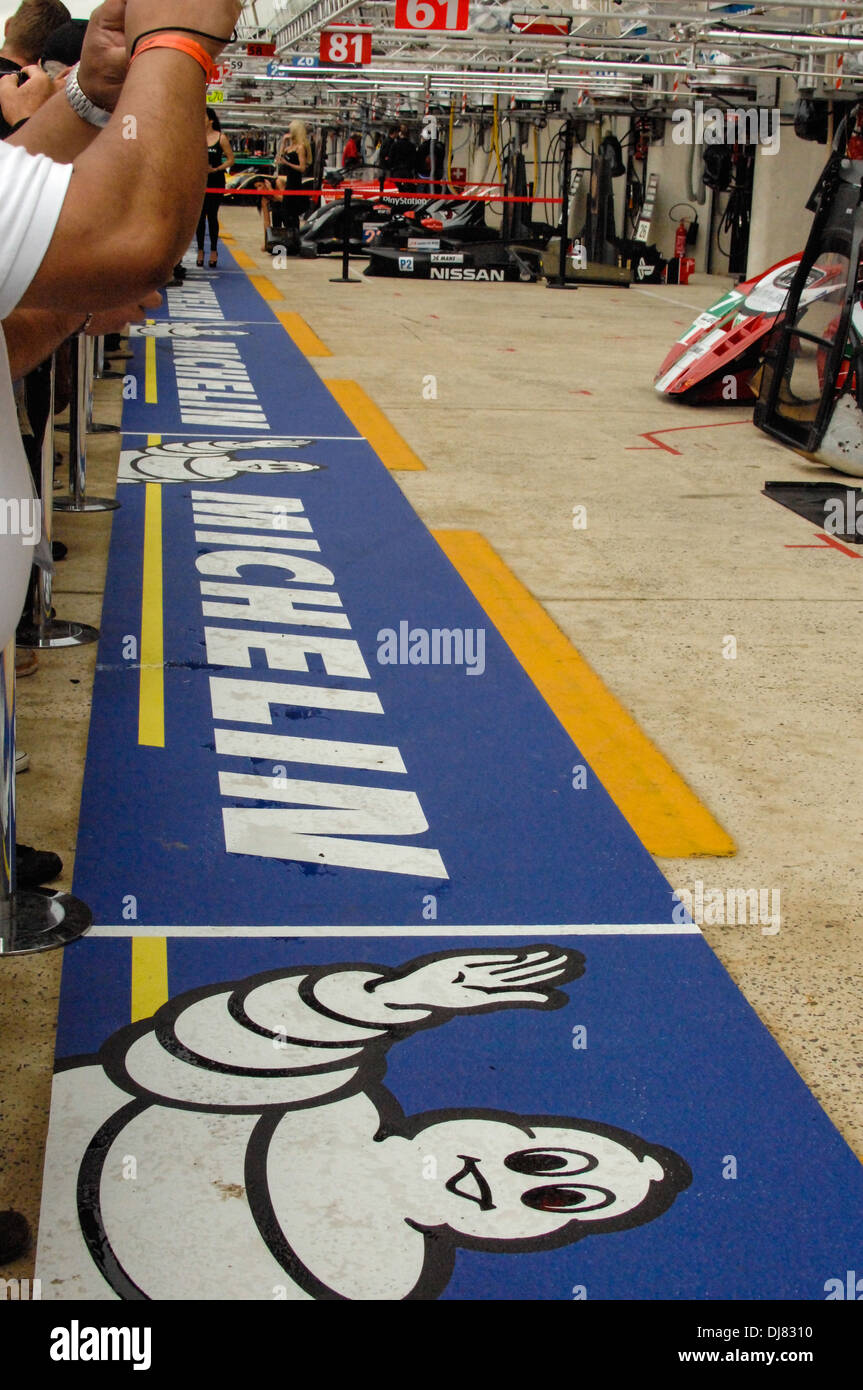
<point>208,460</point>
<point>187,330</point>
<point>271,1161</point>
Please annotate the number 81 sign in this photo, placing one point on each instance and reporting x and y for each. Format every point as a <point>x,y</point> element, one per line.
<point>432,14</point>
<point>346,45</point>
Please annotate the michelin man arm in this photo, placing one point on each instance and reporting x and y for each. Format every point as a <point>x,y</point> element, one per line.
<point>290,1037</point>
<point>452,983</point>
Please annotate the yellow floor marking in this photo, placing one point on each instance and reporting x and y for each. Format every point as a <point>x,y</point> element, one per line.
<point>151,393</point>
<point>386,441</point>
<point>265,287</point>
<point>151,697</point>
<point>306,340</point>
<point>149,975</point>
<point>243,259</point>
<point>663,811</point>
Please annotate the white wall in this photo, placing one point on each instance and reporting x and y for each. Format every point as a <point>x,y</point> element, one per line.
<point>783,183</point>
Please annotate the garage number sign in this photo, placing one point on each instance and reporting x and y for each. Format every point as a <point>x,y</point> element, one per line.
<point>432,14</point>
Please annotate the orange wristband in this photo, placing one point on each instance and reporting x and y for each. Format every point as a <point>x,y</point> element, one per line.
<point>182,45</point>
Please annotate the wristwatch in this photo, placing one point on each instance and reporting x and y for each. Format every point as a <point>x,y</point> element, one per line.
<point>82,105</point>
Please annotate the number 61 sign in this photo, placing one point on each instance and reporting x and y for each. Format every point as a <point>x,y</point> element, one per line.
<point>432,14</point>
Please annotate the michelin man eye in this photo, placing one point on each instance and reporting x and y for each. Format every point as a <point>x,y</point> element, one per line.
<point>536,1161</point>
<point>562,1198</point>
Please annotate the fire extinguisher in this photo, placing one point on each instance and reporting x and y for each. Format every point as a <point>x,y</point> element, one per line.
<point>680,239</point>
<point>855,138</point>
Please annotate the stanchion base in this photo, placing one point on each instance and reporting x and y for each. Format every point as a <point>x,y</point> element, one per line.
<point>90,504</point>
<point>556,285</point>
<point>42,922</point>
<point>103,429</point>
<point>56,633</point>
<point>340,280</point>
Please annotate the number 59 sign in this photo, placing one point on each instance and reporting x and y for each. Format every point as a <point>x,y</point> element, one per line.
<point>432,14</point>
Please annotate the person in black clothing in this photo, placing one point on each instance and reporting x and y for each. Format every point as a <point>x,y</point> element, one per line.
<point>221,158</point>
<point>400,156</point>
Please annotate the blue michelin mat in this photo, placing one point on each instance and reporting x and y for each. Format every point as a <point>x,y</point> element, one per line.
<point>652,1039</point>
<point>447,1044</point>
<point>486,765</point>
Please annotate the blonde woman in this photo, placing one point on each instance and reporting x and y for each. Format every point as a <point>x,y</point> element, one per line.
<point>293,162</point>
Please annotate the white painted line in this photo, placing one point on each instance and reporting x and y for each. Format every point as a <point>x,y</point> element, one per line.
<point>535,933</point>
<point>666,299</point>
<point>208,434</point>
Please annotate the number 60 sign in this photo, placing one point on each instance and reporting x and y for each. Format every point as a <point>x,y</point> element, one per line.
<point>432,14</point>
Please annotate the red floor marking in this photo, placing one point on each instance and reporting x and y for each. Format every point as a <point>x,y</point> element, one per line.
<point>674,429</point>
<point>581,393</point>
<point>832,543</point>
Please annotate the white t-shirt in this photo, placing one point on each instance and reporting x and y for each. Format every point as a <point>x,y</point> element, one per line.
<point>32,190</point>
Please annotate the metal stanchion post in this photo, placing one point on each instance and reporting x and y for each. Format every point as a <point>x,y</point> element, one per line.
<point>100,371</point>
<point>78,501</point>
<point>43,630</point>
<point>29,921</point>
<point>92,374</point>
<point>561,283</point>
<point>346,278</point>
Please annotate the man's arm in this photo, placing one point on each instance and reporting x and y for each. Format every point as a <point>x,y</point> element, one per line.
<point>33,334</point>
<point>140,182</point>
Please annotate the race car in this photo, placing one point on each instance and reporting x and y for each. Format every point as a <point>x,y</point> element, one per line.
<point>442,259</point>
<point>718,356</point>
<point>390,219</point>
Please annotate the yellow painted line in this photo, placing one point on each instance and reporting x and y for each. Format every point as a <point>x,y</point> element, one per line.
<point>305,338</point>
<point>151,697</point>
<point>243,259</point>
<point>149,975</point>
<point>265,287</point>
<point>386,441</point>
<point>151,394</point>
<point>663,811</point>
<point>226,236</point>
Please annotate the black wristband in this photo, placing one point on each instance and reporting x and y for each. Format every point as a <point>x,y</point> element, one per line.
<point>178,29</point>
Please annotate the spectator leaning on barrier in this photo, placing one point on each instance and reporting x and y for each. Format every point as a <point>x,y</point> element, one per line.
<point>62,51</point>
<point>95,209</point>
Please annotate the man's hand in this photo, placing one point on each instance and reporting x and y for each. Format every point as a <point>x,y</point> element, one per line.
<point>103,58</point>
<point>216,17</point>
<point>115,320</point>
<point>482,980</point>
<point>20,103</point>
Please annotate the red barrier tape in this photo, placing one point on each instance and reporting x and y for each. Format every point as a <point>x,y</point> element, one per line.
<point>387,196</point>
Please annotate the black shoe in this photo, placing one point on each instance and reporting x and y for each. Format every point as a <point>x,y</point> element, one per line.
<point>35,866</point>
<point>58,550</point>
<point>14,1236</point>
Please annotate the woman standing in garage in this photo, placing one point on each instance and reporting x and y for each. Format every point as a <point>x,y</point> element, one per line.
<point>221,159</point>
